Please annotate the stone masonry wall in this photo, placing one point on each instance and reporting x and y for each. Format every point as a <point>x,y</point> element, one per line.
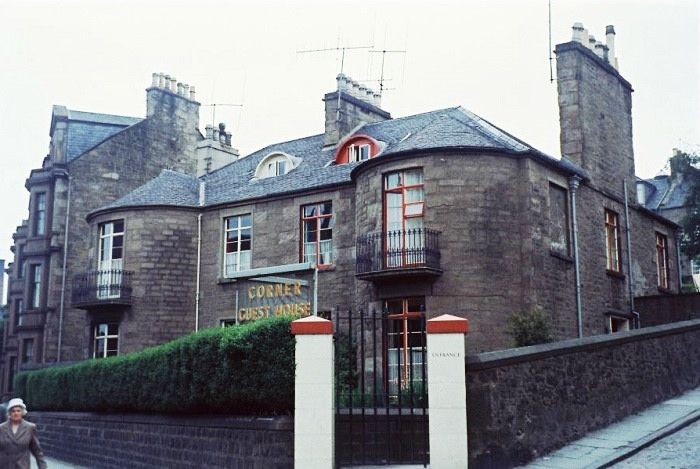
<point>276,240</point>
<point>524,403</point>
<point>160,249</point>
<point>116,441</point>
<point>127,160</point>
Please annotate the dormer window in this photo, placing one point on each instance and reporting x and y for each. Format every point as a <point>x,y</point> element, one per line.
<point>357,148</point>
<point>276,164</point>
<point>358,152</point>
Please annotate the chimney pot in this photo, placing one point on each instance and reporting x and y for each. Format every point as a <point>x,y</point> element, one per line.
<point>228,139</point>
<point>180,90</point>
<point>215,136</point>
<point>166,82</point>
<point>577,33</point>
<point>155,79</point>
<point>209,131</point>
<point>599,49</point>
<point>610,42</point>
<point>173,84</point>
<point>591,42</point>
<point>377,101</point>
<point>342,82</point>
<point>609,29</point>
<point>186,90</point>
<point>192,92</point>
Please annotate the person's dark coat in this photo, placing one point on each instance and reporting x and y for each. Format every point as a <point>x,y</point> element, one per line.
<point>15,448</point>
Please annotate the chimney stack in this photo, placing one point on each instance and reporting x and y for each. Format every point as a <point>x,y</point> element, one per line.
<point>610,42</point>
<point>604,51</point>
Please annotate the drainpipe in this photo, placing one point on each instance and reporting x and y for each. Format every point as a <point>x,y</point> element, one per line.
<point>629,253</point>
<point>679,236</point>
<point>574,182</point>
<point>202,187</point>
<point>63,278</point>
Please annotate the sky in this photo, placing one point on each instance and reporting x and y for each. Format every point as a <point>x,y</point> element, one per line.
<point>491,57</point>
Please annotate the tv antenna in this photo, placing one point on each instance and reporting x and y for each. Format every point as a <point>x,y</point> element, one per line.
<point>384,52</point>
<point>213,110</point>
<point>342,49</point>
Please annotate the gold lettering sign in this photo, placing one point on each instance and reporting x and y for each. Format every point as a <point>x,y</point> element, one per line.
<point>287,298</point>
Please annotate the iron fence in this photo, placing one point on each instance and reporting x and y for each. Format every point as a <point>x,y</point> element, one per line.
<point>102,286</point>
<point>417,247</point>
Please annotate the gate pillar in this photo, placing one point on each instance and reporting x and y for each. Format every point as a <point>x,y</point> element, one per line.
<point>447,392</point>
<point>314,412</point>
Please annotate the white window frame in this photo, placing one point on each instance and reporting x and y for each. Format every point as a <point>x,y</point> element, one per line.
<point>36,271</point>
<point>104,353</point>
<point>40,214</point>
<point>238,229</point>
<point>358,152</point>
<point>109,267</point>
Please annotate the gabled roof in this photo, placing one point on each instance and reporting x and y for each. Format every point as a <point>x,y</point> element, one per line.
<point>667,192</point>
<point>451,128</point>
<point>87,129</point>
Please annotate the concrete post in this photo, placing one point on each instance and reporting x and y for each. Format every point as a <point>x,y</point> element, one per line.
<point>314,412</point>
<point>447,392</point>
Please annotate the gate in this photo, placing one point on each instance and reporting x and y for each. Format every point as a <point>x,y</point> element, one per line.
<point>381,390</point>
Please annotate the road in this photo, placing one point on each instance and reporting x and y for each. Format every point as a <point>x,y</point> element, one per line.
<point>680,450</point>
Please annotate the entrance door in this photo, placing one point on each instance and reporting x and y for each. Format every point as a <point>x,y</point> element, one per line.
<point>109,263</point>
<point>404,207</point>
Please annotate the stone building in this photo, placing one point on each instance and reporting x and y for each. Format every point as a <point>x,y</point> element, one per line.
<point>128,244</point>
<point>667,195</point>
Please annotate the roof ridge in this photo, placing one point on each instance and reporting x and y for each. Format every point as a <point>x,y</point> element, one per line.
<point>493,131</point>
<point>410,116</point>
<point>99,114</point>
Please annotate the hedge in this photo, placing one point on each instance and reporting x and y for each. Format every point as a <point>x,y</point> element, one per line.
<point>240,370</point>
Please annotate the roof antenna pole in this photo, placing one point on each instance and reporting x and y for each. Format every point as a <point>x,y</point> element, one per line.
<point>213,110</point>
<point>342,65</point>
<point>384,52</point>
<point>551,74</point>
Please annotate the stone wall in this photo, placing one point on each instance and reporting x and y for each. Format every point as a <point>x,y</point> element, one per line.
<point>663,309</point>
<point>524,403</point>
<point>114,441</point>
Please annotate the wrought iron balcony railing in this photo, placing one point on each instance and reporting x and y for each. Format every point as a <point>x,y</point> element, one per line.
<point>412,251</point>
<point>101,287</point>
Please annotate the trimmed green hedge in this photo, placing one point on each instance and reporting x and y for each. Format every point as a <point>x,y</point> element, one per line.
<point>247,369</point>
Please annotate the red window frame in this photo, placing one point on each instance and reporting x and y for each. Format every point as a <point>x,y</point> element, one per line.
<point>318,218</point>
<point>662,267</point>
<point>402,189</point>
<point>613,242</point>
<point>406,314</point>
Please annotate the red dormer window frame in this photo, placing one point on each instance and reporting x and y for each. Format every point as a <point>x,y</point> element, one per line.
<point>356,144</point>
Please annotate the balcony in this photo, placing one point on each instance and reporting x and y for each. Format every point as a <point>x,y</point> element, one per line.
<point>102,287</point>
<point>401,253</point>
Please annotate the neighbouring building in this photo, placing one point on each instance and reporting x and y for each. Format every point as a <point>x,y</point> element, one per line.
<point>668,195</point>
<point>142,230</point>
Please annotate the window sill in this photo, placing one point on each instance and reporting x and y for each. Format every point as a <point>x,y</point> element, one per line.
<point>326,268</point>
<point>615,274</point>
<point>561,256</point>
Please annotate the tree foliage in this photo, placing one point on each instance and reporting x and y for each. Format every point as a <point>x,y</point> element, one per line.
<point>530,328</point>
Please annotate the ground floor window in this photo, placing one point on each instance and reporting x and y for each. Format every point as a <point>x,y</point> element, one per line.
<point>405,344</point>
<point>618,324</point>
<point>106,340</point>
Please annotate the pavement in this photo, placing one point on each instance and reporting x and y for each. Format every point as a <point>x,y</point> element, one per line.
<point>608,446</point>
<point>56,464</point>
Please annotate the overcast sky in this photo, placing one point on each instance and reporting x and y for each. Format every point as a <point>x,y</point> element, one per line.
<point>489,56</point>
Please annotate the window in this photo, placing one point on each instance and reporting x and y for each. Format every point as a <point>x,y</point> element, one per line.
<point>228,322</point>
<point>35,286</point>
<point>20,262</point>
<point>404,208</point>
<point>613,245</point>
<point>405,343</point>
<point>237,244</point>
<point>559,219</point>
<point>275,164</point>
<point>19,312</point>
<point>276,168</point>
<point>358,152</point>
<point>317,233</point>
<point>618,324</point>
<point>40,214</point>
<point>106,340</point>
<point>11,374</point>
<point>662,269</point>
<point>27,351</point>
<point>110,261</point>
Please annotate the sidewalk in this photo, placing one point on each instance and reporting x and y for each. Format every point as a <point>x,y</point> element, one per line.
<point>621,440</point>
<point>56,464</point>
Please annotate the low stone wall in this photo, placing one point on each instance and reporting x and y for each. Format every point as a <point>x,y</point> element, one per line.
<point>523,403</point>
<point>149,441</point>
<point>665,309</point>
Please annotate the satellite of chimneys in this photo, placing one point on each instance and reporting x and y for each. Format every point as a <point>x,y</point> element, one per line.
<point>166,82</point>
<point>604,51</point>
<point>356,90</point>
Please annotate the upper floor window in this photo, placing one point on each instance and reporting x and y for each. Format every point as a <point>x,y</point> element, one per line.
<point>317,233</point>
<point>40,214</point>
<point>35,286</point>
<point>105,340</point>
<point>662,269</point>
<point>111,245</point>
<point>404,208</point>
<point>357,148</point>
<point>19,259</point>
<point>19,311</point>
<point>276,164</point>
<point>237,243</point>
<point>27,351</point>
<point>558,219</point>
<point>613,245</point>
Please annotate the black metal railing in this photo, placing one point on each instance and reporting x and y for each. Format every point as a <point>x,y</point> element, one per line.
<point>381,415</point>
<point>400,249</point>
<point>102,286</point>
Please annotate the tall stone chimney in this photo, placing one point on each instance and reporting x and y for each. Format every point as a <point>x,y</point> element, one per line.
<point>595,111</point>
<point>172,101</point>
<point>350,105</point>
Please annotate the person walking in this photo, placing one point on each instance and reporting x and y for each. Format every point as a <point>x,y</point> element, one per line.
<point>18,438</point>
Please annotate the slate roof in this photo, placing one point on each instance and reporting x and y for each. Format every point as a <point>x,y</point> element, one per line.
<point>666,192</point>
<point>454,128</point>
<point>87,129</point>
<point>169,188</point>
